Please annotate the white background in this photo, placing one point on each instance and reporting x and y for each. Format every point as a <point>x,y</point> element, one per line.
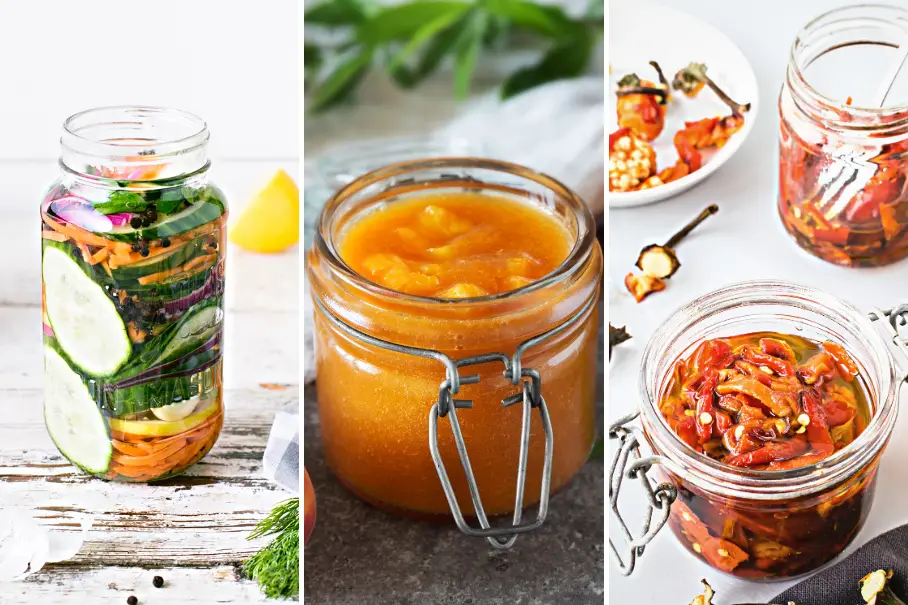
<point>232,63</point>
<point>744,241</point>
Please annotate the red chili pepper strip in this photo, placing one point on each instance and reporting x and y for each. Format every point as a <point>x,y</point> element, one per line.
<point>720,553</point>
<point>778,348</point>
<point>846,366</point>
<point>705,408</point>
<point>779,366</point>
<point>770,452</point>
<point>799,462</point>
<point>723,423</point>
<point>817,430</point>
<point>818,368</point>
<point>687,431</point>
<point>710,353</point>
<point>758,390</point>
<point>838,413</point>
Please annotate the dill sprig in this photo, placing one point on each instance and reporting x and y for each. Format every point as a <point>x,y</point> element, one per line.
<point>276,567</point>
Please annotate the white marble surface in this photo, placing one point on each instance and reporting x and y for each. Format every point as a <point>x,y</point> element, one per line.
<point>744,241</point>
<point>191,530</point>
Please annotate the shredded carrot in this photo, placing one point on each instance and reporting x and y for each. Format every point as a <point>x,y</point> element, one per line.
<point>98,256</point>
<point>106,266</point>
<point>54,236</point>
<point>142,458</point>
<point>135,334</point>
<point>76,233</point>
<point>205,261</point>
<point>86,253</point>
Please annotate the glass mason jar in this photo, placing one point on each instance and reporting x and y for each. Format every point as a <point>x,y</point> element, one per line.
<point>842,170</point>
<point>787,522</point>
<point>373,402</point>
<point>132,285</point>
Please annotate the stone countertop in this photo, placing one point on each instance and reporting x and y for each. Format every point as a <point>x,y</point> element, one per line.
<point>359,554</point>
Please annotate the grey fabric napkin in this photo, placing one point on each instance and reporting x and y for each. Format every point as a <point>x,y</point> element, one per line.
<point>281,462</point>
<point>839,584</point>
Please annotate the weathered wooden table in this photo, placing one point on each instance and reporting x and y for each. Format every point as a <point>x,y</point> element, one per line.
<point>191,530</point>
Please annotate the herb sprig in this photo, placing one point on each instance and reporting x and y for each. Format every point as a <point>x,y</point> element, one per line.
<point>276,567</point>
<point>413,39</point>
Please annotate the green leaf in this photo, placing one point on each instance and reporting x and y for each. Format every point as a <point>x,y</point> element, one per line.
<point>546,20</point>
<point>467,53</point>
<point>435,52</point>
<point>400,23</point>
<point>336,13</point>
<point>567,59</point>
<point>341,82</point>
<point>122,201</point>
<point>425,33</point>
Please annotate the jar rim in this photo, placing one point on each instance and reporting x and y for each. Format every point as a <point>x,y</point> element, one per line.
<point>579,253</point>
<point>835,112</point>
<point>721,478</point>
<point>134,135</point>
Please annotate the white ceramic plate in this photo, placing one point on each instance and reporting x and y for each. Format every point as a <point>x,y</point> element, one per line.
<point>640,32</point>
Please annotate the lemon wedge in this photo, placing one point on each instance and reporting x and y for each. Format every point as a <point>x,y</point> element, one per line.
<point>270,223</point>
<point>163,428</point>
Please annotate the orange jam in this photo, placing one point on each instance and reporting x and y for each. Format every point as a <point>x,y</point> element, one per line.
<point>457,245</point>
<point>382,262</point>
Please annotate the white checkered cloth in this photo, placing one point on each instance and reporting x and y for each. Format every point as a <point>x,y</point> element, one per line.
<point>281,462</point>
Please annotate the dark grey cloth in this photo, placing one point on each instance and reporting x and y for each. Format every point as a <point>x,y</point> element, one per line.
<point>839,584</point>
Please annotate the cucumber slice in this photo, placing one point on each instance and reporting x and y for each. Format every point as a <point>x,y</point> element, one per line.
<point>200,213</point>
<point>162,262</point>
<point>85,321</point>
<point>73,420</point>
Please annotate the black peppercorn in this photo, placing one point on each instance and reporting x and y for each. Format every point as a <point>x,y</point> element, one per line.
<point>144,252</point>
<point>165,243</point>
<point>158,581</point>
<point>132,600</point>
<point>135,222</point>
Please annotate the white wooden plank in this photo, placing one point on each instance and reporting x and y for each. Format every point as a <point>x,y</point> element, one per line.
<point>200,518</point>
<point>78,585</point>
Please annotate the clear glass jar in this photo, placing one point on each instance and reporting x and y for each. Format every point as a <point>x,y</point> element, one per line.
<point>374,403</point>
<point>795,520</point>
<point>132,282</point>
<point>842,174</point>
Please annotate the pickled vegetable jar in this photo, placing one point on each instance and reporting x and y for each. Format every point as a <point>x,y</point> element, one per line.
<point>769,405</point>
<point>464,257</point>
<point>133,282</point>
<point>843,138</point>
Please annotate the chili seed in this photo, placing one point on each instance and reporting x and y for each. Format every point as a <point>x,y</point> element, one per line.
<point>722,552</point>
<point>766,370</point>
<point>697,550</point>
<point>705,418</point>
<point>690,412</point>
<point>158,581</point>
<point>132,600</point>
<point>780,425</point>
<point>803,419</point>
<point>801,430</point>
<point>739,431</point>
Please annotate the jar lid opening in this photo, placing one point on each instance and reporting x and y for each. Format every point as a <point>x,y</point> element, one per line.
<point>134,143</point>
<point>754,304</point>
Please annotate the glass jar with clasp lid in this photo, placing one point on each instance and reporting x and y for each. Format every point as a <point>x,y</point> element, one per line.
<point>806,426</point>
<point>459,292</point>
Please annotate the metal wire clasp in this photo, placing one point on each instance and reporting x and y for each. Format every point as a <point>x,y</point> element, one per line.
<point>630,463</point>
<point>529,396</point>
<point>897,317</point>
